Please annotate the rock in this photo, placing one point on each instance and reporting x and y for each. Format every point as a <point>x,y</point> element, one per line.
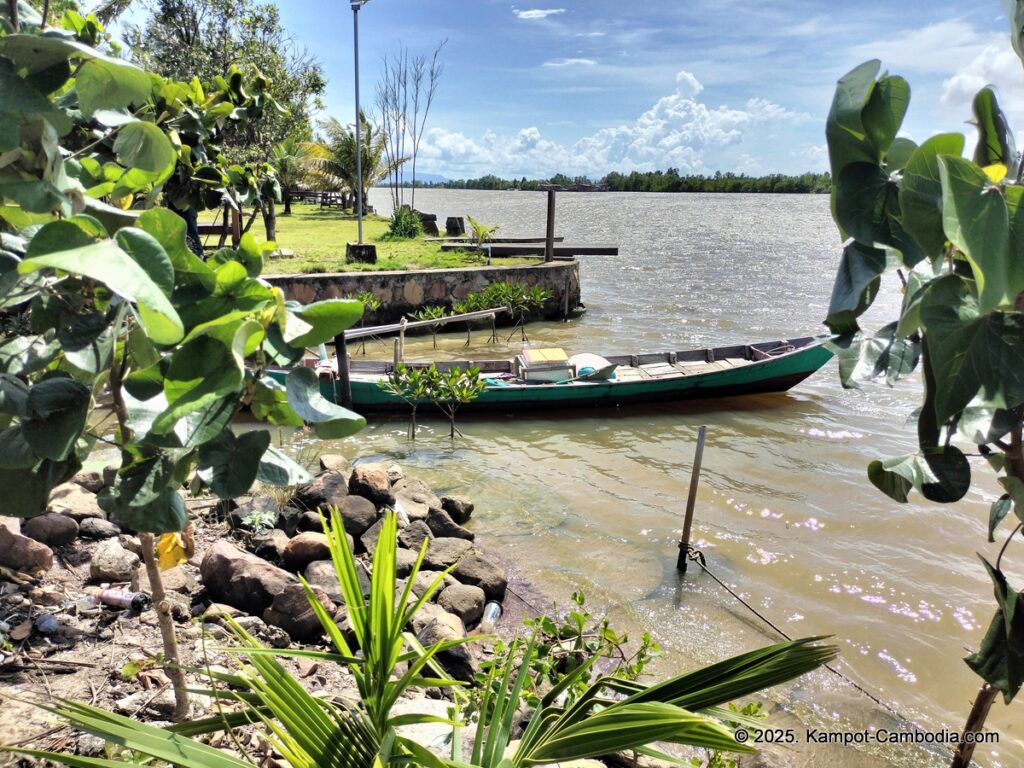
<point>466,602</point>
<point>441,523</point>
<point>52,529</point>
<point>371,483</point>
<point>98,528</point>
<point>405,559</point>
<point>109,475</point>
<point>131,543</point>
<point>395,473</point>
<point>218,611</point>
<point>175,579</point>
<point>334,462</point>
<point>160,703</point>
<point>112,562</point>
<point>259,513</point>
<point>358,514</point>
<point>459,507</point>
<point>414,534</point>
<point>288,519</point>
<point>74,501</point>
<point>321,573</point>
<point>292,612</point>
<point>304,549</point>
<point>416,497</point>
<point>432,624</point>
<point>369,539</point>
<point>273,636</point>
<point>309,521</point>
<point>329,488</point>
<point>91,481</point>
<point>425,579</point>
<point>444,552</point>
<point>241,579</point>
<point>479,571</point>
<point>270,545</point>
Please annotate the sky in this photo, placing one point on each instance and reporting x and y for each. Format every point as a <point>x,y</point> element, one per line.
<point>585,87</point>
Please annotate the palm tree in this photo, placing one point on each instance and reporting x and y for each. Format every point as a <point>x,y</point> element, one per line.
<point>333,160</point>
<point>290,159</point>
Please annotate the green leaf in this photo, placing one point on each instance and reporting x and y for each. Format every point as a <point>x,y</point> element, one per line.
<point>24,355</point>
<point>104,83</point>
<point>270,403</point>
<point>921,192</point>
<point>995,142</point>
<point>867,206</point>
<point>144,146</point>
<point>899,154</point>
<point>147,252</point>
<point>863,358</point>
<point>329,420</point>
<point>229,464</point>
<point>1014,487</point>
<point>278,469</point>
<point>976,220</point>
<point>981,425</point>
<point>13,395</point>
<point>1014,276</point>
<point>973,355</point>
<point>847,138</point>
<point>57,411</point>
<point>204,425</point>
<point>883,114</point>
<point>327,319</point>
<point>997,513</point>
<point>896,476</point>
<point>1000,659</point>
<point>950,472</point>
<point>88,341</point>
<point>19,97</point>
<point>169,229</point>
<point>106,262</point>
<point>856,285</point>
<point>164,514</point>
<point>15,451</point>
<point>200,373</point>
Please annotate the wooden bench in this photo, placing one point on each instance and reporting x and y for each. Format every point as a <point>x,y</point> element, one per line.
<point>230,224</point>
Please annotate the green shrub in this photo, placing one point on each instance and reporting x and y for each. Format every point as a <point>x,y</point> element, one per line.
<point>405,224</point>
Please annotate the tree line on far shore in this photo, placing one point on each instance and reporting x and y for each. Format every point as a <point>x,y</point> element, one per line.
<point>654,181</point>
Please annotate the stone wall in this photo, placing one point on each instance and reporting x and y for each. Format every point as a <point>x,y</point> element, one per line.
<point>404,292</point>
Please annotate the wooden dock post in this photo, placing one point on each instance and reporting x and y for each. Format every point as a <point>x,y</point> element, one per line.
<point>691,500</point>
<point>549,239</point>
<point>344,383</point>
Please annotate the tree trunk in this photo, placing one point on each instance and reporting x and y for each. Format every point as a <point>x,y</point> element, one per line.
<point>270,219</point>
<point>287,204</point>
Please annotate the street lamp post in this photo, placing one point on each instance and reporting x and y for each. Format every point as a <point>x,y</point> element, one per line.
<point>359,251</point>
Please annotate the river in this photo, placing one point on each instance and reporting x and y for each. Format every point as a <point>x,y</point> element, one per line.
<point>785,514</point>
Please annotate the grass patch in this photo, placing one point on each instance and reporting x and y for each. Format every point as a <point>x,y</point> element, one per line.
<point>317,238</point>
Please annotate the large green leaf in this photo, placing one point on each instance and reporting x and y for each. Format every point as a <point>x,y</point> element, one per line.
<point>106,262</point>
<point>326,318</point>
<point>883,114</point>
<point>950,474</point>
<point>21,98</point>
<point>857,282</point>
<point>867,206</point>
<point>110,84</point>
<point>15,451</point>
<point>200,373</point>
<point>88,341</point>
<point>921,192</point>
<point>862,358</point>
<point>229,464</point>
<point>1014,196</point>
<point>27,492</point>
<point>847,138</point>
<point>997,513</point>
<point>147,252</point>
<point>329,420</point>
<point>995,142</point>
<point>973,355</point>
<point>896,476</point>
<point>13,395</point>
<point>270,403</point>
<point>1000,659</point>
<point>24,355</point>
<point>976,220</point>
<point>169,229</point>
<point>57,411</point>
<point>144,146</point>
<point>277,468</point>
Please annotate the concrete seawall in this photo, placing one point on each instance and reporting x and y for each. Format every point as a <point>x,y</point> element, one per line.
<point>404,292</point>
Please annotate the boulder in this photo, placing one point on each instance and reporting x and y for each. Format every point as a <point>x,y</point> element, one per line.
<point>175,579</point>
<point>91,481</point>
<point>441,524</point>
<point>109,475</point>
<point>292,612</point>
<point>270,545</point>
<point>309,521</point>
<point>479,571</point>
<point>444,552</point>
<point>416,498</point>
<point>241,579</point>
<point>98,528</point>
<point>271,635</point>
<point>358,513</point>
<point>369,539</point>
<point>112,562</point>
<point>432,624</point>
<point>465,601</point>
<point>20,553</point>
<point>405,559</point>
<point>371,482</point>
<point>52,529</point>
<point>74,501</point>
<point>334,462</point>
<point>304,549</point>
<point>321,574</point>
<point>328,488</point>
<point>414,534</point>
<point>459,507</point>
<point>288,519</point>
<point>258,513</point>
<point>424,579</point>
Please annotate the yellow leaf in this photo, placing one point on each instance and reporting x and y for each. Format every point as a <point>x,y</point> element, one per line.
<point>995,172</point>
<point>170,551</point>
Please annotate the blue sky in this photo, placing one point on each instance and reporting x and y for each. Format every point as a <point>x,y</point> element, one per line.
<point>590,86</point>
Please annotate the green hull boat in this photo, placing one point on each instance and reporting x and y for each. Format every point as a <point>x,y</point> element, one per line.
<point>773,366</point>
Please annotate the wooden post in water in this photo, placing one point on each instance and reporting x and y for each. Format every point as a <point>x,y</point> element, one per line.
<point>344,383</point>
<point>691,500</point>
<point>549,238</point>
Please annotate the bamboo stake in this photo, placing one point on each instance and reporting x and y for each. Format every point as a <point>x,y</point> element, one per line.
<point>684,542</point>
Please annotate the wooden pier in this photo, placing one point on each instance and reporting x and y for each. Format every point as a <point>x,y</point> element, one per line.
<point>561,250</point>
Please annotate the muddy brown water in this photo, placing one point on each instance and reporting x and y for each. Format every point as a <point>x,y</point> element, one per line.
<point>785,514</point>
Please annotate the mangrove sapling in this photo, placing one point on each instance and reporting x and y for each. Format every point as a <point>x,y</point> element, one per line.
<point>451,389</point>
<point>412,384</point>
<point>952,229</point>
<point>431,312</point>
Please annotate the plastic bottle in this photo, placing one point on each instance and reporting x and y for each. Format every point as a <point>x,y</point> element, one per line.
<point>123,598</point>
<point>492,612</point>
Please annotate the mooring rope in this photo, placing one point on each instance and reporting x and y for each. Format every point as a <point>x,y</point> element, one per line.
<point>695,555</point>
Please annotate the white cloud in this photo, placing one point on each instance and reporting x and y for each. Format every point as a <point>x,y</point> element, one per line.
<point>678,130</point>
<point>570,63</point>
<point>997,66</point>
<point>537,13</point>
<point>929,49</point>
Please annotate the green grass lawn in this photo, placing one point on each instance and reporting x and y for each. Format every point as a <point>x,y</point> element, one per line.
<point>317,240</point>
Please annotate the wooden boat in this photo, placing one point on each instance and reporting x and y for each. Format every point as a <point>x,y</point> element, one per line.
<point>773,366</point>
